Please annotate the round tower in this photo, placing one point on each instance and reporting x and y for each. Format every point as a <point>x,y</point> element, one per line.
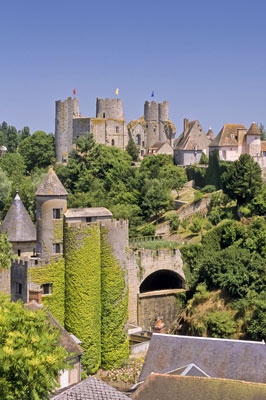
<point>151,111</point>
<point>64,112</point>
<point>109,108</point>
<point>163,111</point>
<point>51,204</point>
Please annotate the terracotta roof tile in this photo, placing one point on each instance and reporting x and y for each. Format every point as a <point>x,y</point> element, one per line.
<point>229,135</point>
<point>253,130</point>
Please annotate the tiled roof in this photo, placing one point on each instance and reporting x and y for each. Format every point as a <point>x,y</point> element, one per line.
<point>156,146</point>
<point>263,146</point>
<point>210,134</point>
<point>51,185</point>
<point>219,358</point>
<point>65,339</point>
<point>18,224</point>
<point>91,389</point>
<point>88,212</point>
<point>254,130</point>
<point>193,138</point>
<point>229,136</point>
<point>170,387</point>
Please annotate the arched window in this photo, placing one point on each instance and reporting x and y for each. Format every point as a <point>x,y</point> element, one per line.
<point>138,140</point>
<point>113,142</point>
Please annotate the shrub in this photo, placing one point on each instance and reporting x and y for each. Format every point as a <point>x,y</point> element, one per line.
<point>220,324</point>
<point>196,224</point>
<point>173,222</point>
<point>198,195</point>
<point>148,230</point>
<point>208,189</point>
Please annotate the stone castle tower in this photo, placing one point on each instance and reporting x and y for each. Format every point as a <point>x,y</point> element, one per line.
<point>109,126</point>
<point>51,204</point>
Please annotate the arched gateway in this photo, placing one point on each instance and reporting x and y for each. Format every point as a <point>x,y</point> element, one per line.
<point>155,279</point>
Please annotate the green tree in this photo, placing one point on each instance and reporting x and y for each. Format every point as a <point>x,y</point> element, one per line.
<point>155,198</point>
<point>262,131</point>
<point>5,251</point>
<point>242,180</point>
<point>220,324</point>
<point>11,139</point>
<point>30,358</point>
<point>213,171</point>
<point>174,177</point>
<point>38,150</point>
<point>5,189</point>
<point>25,133</point>
<point>132,150</point>
<point>204,159</point>
<point>14,166</point>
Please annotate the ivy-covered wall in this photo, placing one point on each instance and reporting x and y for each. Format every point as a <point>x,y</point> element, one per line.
<point>114,299</point>
<point>83,290</point>
<point>53,273</point>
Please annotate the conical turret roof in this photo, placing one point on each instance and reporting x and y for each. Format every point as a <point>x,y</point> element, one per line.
<point>51,185</point>
<point>253,130</point>
<point>18,224</point>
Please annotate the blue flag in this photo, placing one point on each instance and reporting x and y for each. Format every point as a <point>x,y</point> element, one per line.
<point>152,93</point>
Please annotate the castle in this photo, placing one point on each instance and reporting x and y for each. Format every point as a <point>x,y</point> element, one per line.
<point>109,126</point>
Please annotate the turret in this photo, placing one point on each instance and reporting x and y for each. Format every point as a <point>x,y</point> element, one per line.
<point>109,108</point>
<point>65,111</point>
<point>51,204</point>
<point>253,140</point>
<point>20,229</point>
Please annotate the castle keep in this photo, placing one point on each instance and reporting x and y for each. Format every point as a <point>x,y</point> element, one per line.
<point>109,126</point>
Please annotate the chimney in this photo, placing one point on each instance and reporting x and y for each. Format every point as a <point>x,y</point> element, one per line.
<point>185,124</point>
<point>35,295</point>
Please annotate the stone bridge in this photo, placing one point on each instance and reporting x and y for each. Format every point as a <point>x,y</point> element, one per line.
<point>154,276</point>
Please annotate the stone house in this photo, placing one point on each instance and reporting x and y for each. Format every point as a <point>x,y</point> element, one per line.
<point>192,142</point>
<point>235,139</point>
<point>160,148</point>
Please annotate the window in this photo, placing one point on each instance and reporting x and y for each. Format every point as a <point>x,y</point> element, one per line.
<point>47,288</point>
<point>138,140</point>
<point>56,248</point>
<point>117,129</point>
<point>113,142</point>
<point>19,253</point>
<point>103,115</point>
<point>57,213</point>
<point>18,288</point>
<point>88,219</point>
<point>143,144</point>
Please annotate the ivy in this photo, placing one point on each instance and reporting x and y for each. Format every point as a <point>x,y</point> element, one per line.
<point>83,291</point>
<point>53,273</point>
<point>115,345</point>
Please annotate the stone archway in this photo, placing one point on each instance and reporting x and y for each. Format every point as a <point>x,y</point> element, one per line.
<point>163,279</point>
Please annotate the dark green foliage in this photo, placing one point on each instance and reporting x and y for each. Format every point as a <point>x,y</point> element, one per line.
<point>14,166</point>
<point>30,358</point>
<point>242,181</point>
<point>197,174</point>
<point>256,324</point>
<point>208,189</point>
<point>220,324</point>
<point>132,150</point>
<point>173,176</point>
<point>196,224</point>
<point>204,159</point>
<point>38,150</point>
<point>5,252</point>
<point>25,133</point>
<point>148,230</point>
<point>155,198</point>
<point>173,222</point>
<point>262,131</point>
<point>11,139</point>
<point>83,291</point>
<point>114,302</point>
<point>213,171</point>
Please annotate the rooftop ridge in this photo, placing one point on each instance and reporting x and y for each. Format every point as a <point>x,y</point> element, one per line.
<point>208,338</point>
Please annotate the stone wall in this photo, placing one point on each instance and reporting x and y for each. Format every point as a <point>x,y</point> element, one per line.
<point>201,206</point>
<point>158,305</point>
<point>19,280</point>
<point>141,264</point>
<point>4,281</point>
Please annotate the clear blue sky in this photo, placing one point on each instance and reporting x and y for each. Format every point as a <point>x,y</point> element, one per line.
<point>207,58</point>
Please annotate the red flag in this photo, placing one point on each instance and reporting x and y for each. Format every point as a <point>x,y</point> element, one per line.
<point>74,91</point>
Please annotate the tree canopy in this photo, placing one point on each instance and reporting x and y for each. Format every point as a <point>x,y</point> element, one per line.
<point>30,358</point>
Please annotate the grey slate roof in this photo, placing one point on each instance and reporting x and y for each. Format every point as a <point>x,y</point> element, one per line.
<point>169,387</point>
<point>51,185</point>
<point>91,389</point>
<point>88,212</point>
<point>18,224</point>
<point>219,358</point>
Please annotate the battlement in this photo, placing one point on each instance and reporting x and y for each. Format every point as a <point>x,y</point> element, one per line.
<point>154,111</point>
<point>109,108</point>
